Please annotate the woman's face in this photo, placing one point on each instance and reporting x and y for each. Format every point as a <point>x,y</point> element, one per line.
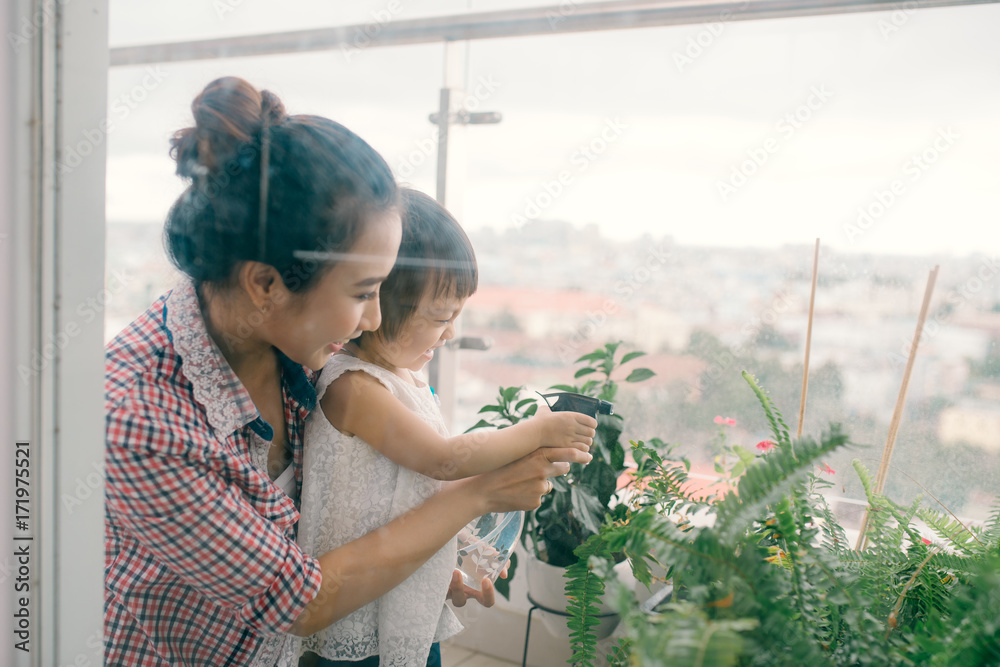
<point>344,302</point>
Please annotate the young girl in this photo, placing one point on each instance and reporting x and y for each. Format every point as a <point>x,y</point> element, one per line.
<point>379,446</point>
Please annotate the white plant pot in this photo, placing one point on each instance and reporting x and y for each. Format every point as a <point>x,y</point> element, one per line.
<point>547,587</point>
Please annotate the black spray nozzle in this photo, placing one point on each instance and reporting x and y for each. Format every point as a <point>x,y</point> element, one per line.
<point>566,401</point>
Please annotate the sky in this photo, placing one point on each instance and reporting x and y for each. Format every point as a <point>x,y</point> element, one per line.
<point>875,132</point>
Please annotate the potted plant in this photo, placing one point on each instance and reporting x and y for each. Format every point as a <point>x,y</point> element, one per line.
<point>584,499</point>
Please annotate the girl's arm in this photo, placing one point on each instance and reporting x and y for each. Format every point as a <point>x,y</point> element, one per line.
<point>358,404</point>
<point>367,568</point>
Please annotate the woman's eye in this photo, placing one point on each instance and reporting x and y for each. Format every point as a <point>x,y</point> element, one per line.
<point>369,296</point>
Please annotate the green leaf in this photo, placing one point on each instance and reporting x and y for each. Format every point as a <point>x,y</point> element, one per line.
<point>502,585</point>
<point>596,355</point>
<point>532,410</point>
<point>639,374</point>
<point>489,408</point>
<point>630,356</point>
<point>584,371</point>
<point>599,479</point>
<point>482,423</point>
<point>587,508</point>
<point>523,402</point>
<point>510,393</point>
<point>565,387</point>
<point>617,456</point>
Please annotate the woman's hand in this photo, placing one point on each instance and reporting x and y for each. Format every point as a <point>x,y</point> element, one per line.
<point>520,485</point>
<point>565,429</point>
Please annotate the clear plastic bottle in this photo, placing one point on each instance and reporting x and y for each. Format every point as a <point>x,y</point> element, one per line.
<point>485,546</point>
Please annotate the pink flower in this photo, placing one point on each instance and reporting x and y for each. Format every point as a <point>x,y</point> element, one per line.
<point>728,421</point>
<point>925,540</point>
<point>827,469</point>
<point>765,445</point>
<point>718,419</point>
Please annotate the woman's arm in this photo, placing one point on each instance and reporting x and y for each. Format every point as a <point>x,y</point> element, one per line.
<point>367,568</point>
<point>195,522</point>
<point>358,404</point>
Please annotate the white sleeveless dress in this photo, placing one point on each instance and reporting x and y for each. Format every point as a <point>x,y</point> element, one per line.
<point>349,490</point>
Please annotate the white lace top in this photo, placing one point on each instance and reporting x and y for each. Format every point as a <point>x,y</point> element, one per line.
<point>349,490</point>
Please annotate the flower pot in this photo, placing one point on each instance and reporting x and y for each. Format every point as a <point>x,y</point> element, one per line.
<point>547,587</point>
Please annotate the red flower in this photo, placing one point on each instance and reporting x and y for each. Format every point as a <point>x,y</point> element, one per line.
<point>825,468</point>
<point>925,540</point>
<point>728,421</point>
<point>765,445</point>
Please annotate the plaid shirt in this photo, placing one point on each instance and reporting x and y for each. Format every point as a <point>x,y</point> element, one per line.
<point>201,566</point>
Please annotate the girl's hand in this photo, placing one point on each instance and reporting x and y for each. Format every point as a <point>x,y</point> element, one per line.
<point>565,429</point>
<point>520,485</point>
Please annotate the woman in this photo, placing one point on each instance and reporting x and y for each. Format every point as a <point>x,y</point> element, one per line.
<point>207,392</point>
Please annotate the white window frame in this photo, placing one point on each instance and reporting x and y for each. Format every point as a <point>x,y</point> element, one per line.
<point>55,72</point>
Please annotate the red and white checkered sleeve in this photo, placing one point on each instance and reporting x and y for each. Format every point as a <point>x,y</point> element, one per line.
<point>185,514</point>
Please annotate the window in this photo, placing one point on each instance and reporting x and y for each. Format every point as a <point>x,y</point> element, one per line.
<point>664,187</point>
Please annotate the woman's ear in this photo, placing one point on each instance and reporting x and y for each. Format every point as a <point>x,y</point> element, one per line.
<point>263,285</point>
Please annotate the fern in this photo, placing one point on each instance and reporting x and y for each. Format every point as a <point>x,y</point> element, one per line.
<point>770,478</point>
<point>778,426</point>
<point>685,635</point>
<point>620,652</point>
<point>834,536</point>
<point>968,631</point>
<point>991,531</point>
<point>585,588</point>
<point>772,581</point>
<point>867,483</point>
<point>955,533</point>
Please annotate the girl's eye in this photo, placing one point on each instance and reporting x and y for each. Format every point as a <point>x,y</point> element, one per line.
<point>368,297</point>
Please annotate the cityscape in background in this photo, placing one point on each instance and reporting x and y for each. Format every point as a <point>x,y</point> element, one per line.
<point>552,291</point>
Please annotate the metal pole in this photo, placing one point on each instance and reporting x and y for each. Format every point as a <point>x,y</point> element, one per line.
<point>444,123</point>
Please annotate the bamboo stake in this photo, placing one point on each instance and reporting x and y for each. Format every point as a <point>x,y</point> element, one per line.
<point>809,333</point>
<point>897,415</point>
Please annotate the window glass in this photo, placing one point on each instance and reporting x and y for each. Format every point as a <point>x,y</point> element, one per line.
<point>664,187</point>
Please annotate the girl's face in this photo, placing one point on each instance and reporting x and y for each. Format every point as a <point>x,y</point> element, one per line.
<point>431,326</point>
<point>344,302</point>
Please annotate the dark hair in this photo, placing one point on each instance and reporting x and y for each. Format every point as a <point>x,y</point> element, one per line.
<point>323,183</point>
<point>435,258</point>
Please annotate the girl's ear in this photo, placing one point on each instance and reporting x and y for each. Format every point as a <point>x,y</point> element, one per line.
<point>263,284</point>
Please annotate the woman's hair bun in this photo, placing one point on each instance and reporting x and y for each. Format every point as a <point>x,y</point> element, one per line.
<point>228,113</point>
<point>311,185</point>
